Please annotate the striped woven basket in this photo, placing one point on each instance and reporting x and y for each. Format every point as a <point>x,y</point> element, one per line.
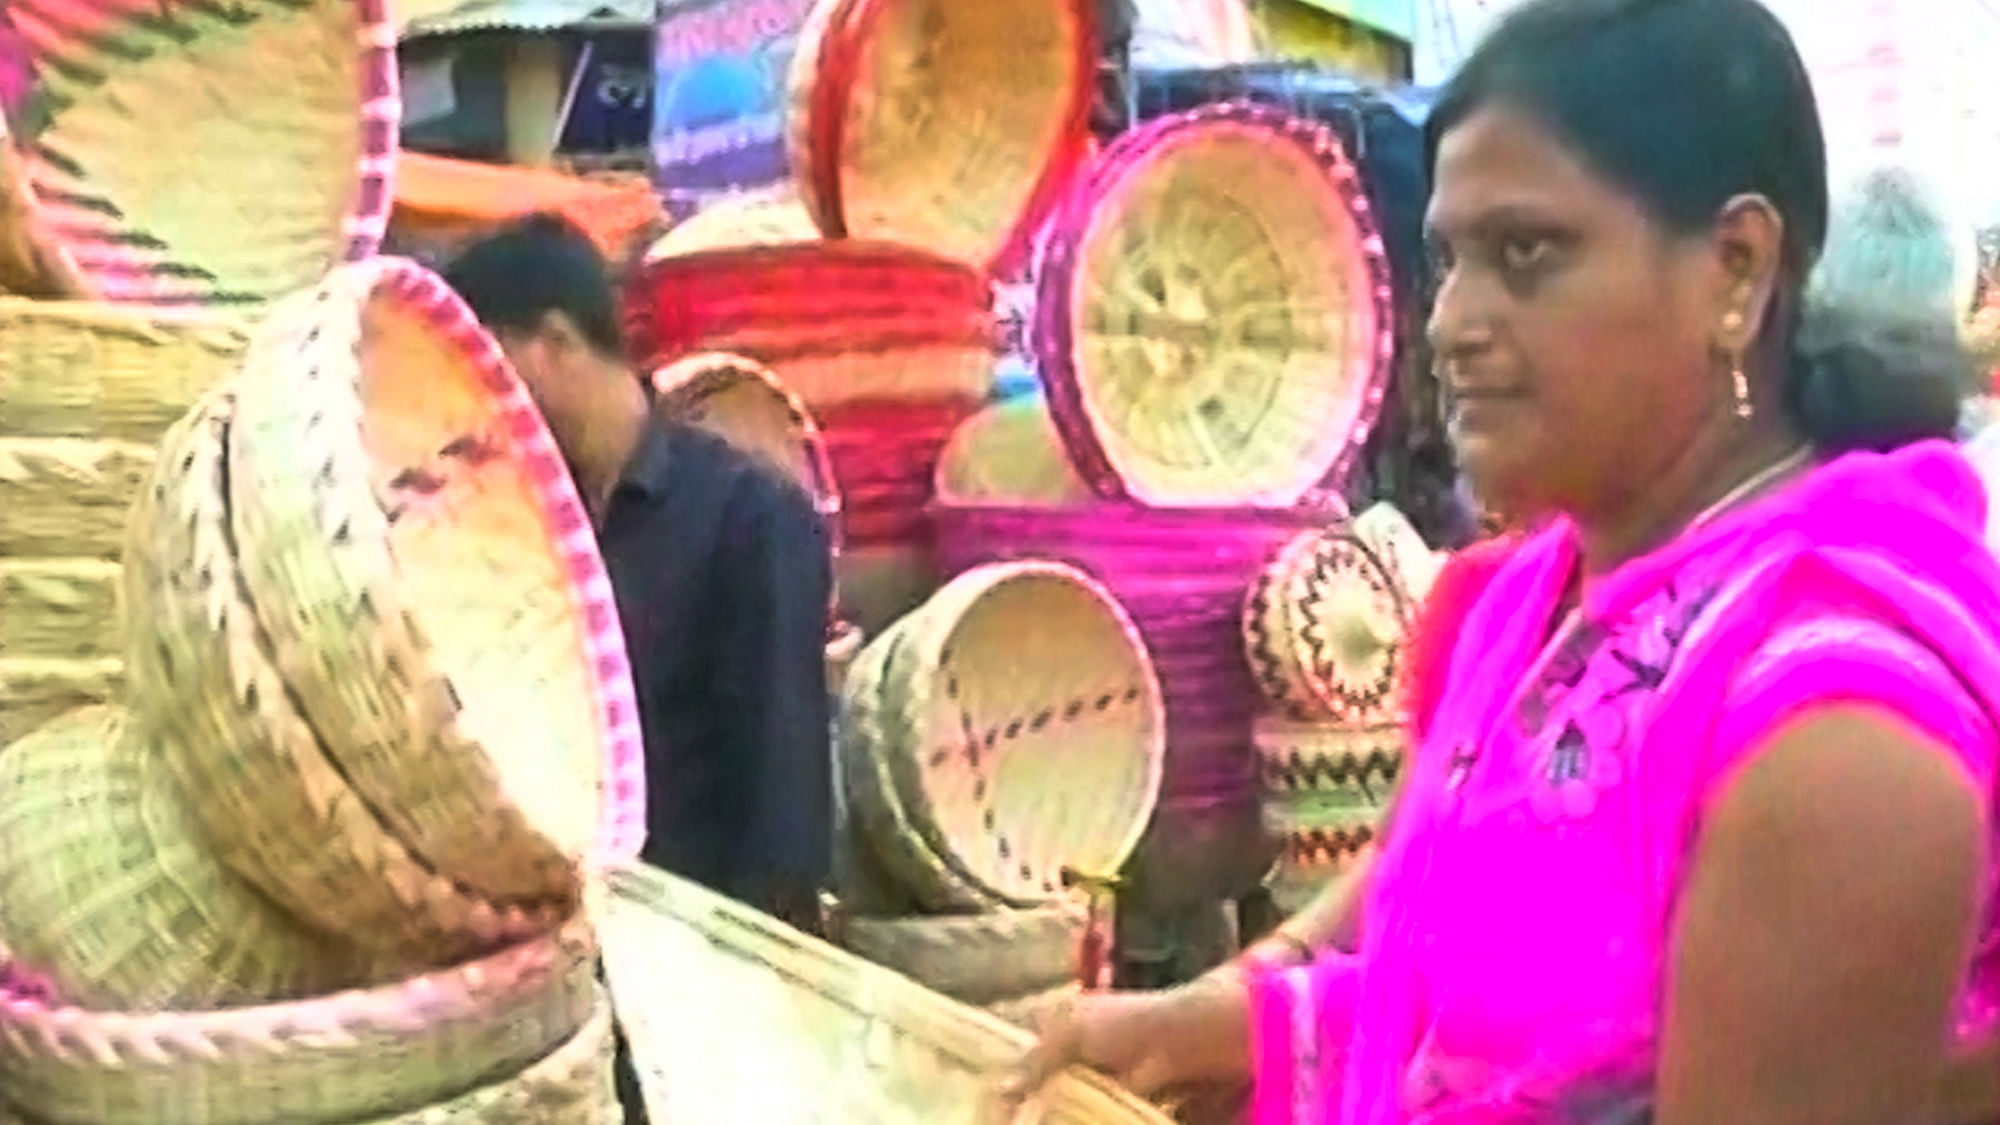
<point>717,999</point>
<point>1006,732</point>
<point>1214,319</point>
<point>290,110</point>
<point>431,588</point>
<point>1326,787</point>
<point>78,369</point>
<point>108,893</point>
<point>942,125</point>
<point>276,806</point>
<point>352,1056</point>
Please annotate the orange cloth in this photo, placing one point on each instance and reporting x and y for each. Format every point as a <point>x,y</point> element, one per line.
<point>436,195</point>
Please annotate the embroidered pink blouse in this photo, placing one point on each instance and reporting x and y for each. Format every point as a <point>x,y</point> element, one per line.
<point>1514,942</point>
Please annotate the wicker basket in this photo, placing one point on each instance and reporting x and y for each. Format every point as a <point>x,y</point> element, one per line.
<point>276,807</point>
<point>716,1000</point>
<point>339,1058</point>
<point>76,369</point>
<point>67,497</point>
<point>741,401</point>
<point>762,218</point>
<point>1214,319</point>
<point>943,125</point>
<point>64,609</point>
<point>1325,625</point>
<point>1017,731</point>
<point>288,110</point>
<point>976,958</point>
<point>106,890</point>
<point>1008,453</point>
<point>34,691</point>
<point>573,1085</point>
<point>837,321</point>
<point>30,264</point>
<point>1326,789</point>
<point>431,586</point>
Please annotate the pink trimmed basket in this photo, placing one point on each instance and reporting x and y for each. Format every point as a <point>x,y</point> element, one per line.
<point>1214,320</point>
<point>430,583</point>
<point>190,154</point>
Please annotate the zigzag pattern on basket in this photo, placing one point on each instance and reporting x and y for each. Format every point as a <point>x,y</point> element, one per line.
<point>1311,847</point>
<point>1297,771</point>
<point>74,40</point>
<point>1349,702</point>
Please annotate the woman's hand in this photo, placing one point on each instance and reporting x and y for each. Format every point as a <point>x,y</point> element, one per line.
<point>1148,1042</point>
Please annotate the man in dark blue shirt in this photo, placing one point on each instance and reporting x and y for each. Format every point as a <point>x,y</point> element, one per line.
<point>722,574</point>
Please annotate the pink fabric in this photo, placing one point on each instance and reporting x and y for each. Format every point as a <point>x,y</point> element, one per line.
<point>1515,939</point>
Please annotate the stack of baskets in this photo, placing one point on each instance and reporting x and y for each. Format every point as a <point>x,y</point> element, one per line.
<point>315,847</point>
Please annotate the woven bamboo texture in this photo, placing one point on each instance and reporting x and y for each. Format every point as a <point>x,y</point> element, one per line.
<point>345,1057</point>
<point>64,609</point>
<point>1214,318</point>
<point>1020,730</point>
<point>744,403</point>
<point>67,497</point>
<point>80,369</point>
<point>1008,453</point>
<point>941,125</point>
<point>276,808</point>
<point>1327,787</point>
<point>572,1086</point>
<point>292,109</point>
<point>1327,622</point>
<point>975,958</point>
<point>431,586</point>
<point>763,218</point>
<point>29,264</point>
<point>34,691</point>
<point>717,999</point>
<point>106,890</point>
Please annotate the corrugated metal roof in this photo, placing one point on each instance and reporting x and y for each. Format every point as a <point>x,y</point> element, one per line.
<point>532,15</point>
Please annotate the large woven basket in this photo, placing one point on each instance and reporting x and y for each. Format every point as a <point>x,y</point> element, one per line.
<point>431,586</point>
<point>979,959</point>
<point>78,369</point>
<point>572,1085</point>
<point>63,609</point>
<point>34,690</point>
<point>943,125</point>
<point>346,1057</point>
<point>275,804</point>
<point>741,401</point>
<point>1214,318</point>
<point>1326,787</point>
<point>1326,622</point>
<point>732,1016</point>
<point>107,891</point>
<point>286,112</point>
<point>67,497</point>
<point>1015,730</point>
<point>30,265</point>
<point>837,321</point>
<point>1008,453</point>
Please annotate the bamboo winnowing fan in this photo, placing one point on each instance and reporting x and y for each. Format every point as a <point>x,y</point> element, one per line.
<point>733,1016</point>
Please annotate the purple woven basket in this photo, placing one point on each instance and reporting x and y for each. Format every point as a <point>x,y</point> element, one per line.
<point>1183,575</point>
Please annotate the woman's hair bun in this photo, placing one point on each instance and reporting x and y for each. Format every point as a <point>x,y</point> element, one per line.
<point>1873,378</point>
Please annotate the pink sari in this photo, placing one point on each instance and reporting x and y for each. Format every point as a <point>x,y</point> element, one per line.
<point>1515,939</point>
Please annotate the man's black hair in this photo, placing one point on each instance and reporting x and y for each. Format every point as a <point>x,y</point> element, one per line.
<point>514,277</point>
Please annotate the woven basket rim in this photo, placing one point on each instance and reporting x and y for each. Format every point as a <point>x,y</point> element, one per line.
<point>621,821</point>
<point>35,1027</point>
<point>932,633</point>
<point>829,72</point>
<point>701,371</point>
<point>379,111</point>
<point>1371,362</point>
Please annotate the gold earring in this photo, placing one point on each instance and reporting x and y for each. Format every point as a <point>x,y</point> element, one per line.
<point>1740,387</point>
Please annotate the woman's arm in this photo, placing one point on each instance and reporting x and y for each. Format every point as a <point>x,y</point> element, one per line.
<point>1828,918</point>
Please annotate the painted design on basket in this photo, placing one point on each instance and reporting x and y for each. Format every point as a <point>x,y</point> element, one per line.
<point>622,827</point>
<point>1371,366</point>
<point>1299,771</point>
<point>72,39</point>
<point>1344,558</point>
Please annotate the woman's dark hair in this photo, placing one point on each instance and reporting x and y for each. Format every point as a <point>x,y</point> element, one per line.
<point>515,276</point>
<point>1684,105</point>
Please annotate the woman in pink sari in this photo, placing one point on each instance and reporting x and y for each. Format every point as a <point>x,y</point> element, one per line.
<point>1701,828</point>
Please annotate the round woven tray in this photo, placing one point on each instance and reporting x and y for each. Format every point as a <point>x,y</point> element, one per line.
<point>1326,789</point>
<point>30,264</point>
<point>1214,318</point>
<point>1008,453</point>
<point>276,807</point>
<point>976,958</point>
<point>1023,732</point>
<point>1326,622</point>
<point>758,219</point>
<point>344,1057</point>
<point>431,585</point>
<point>286,114</point>
<point>943,125</point>
<point>107,892</point>
<point>741,401</point>
<point>80,369</point>
<point>573,1085</point>
<point>837,321</point>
